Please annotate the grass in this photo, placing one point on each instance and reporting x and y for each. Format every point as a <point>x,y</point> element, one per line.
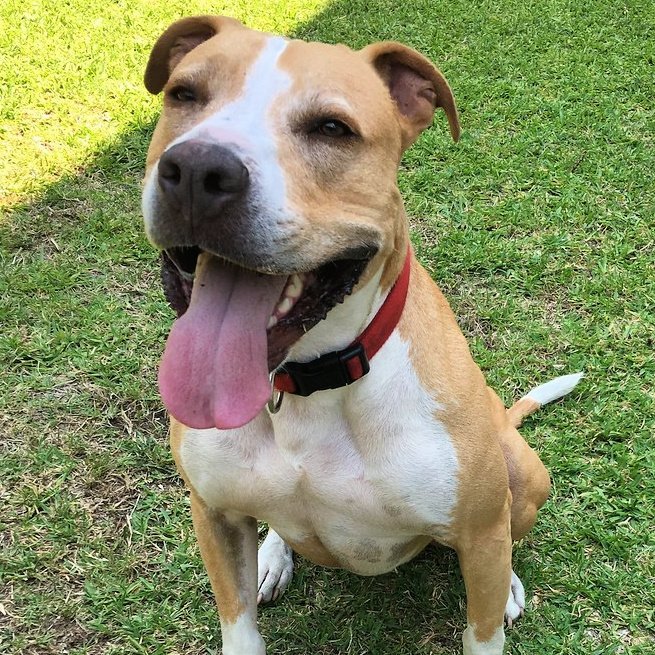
<point>538,225</point>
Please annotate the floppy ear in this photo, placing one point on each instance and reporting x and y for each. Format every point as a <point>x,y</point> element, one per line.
<point>179,39</point>
<point>415,85</point>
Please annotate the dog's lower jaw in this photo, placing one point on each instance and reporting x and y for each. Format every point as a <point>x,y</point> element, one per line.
<point>343,323</point>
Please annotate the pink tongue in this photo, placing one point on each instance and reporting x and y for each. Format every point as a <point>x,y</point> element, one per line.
<point>214,371</point>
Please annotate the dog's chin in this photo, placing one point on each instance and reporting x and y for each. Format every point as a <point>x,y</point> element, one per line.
<point>312,294</point>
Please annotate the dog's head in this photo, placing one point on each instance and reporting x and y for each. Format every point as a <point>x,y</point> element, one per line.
<point>271,176</point>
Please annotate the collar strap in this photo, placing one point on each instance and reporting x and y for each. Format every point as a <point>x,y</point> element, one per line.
<point>342,367</point>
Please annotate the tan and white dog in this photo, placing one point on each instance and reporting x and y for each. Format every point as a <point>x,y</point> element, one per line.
<point>271,190</point>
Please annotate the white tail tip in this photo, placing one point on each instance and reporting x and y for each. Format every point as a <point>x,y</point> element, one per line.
<point>546,393</point>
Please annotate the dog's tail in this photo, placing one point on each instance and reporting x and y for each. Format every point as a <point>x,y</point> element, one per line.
<point>544,393</point>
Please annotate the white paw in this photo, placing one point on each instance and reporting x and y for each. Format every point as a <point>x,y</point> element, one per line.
<point>274,567</point>
<point>516,602</point>
<point>242,637</point>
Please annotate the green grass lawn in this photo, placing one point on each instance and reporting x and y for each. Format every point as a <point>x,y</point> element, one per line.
<point>538,225</point>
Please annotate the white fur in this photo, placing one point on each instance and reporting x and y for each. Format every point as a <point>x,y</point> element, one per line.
<point>242,637</point>
<point>274,567</point>
<point>516,601</point>
<point>149,201</point>
<point>546,393</point>
<point>474,647</point>
<point>348,466</point>
<point>343,323</point>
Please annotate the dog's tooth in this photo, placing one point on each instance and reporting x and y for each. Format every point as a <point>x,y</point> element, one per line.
<point>272,322</point>
<point>284,307</point>
<point>294,286</point>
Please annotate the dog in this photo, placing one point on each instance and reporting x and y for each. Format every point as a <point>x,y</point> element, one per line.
<point>316,377</point>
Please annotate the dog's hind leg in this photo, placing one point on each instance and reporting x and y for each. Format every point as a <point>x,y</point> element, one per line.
<point>528,478</point>
<point>529,481</point>
<point>228,545</point>
<point>274,567</point>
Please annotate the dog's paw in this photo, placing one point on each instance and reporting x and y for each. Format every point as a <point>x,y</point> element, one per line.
<point>274,567</point>
<point>516,602</point>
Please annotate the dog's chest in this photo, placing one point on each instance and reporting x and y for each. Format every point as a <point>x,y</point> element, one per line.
<point>365,491</point>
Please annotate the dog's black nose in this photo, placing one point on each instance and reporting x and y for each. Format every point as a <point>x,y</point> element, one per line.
<point>199,178</point>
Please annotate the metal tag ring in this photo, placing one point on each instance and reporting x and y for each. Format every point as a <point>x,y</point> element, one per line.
<point>275,401</point>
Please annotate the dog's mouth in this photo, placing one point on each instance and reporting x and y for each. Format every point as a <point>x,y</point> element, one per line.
<point>236,325</point>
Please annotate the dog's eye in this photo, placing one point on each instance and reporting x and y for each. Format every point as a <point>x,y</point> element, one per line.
<point>333,128</point>
<point>182,94</point>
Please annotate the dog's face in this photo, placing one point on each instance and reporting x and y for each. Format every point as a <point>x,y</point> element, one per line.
<point>280,158</point>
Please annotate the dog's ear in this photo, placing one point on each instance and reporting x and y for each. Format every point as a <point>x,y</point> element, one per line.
<point>178,40</point>
<point>415,85</point>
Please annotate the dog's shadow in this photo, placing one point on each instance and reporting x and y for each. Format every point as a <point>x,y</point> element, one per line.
<point>418,608</point>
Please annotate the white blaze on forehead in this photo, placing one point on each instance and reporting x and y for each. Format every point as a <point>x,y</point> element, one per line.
<point>250,109</point>
<point>246,123</point>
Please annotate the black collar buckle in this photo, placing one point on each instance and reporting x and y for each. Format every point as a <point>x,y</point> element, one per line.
<point>330,371</point>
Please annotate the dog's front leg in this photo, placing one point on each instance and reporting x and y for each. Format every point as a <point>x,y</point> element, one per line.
<point>485,557</point>
<point>228,545</point>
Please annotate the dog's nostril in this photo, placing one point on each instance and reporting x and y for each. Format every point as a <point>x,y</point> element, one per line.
<point>170,172</point>
<point>230,178</point>
<point>214,183</point>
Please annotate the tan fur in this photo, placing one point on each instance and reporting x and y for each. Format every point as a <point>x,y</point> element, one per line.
<point>391,59</point>
<point>520,409</point>
<point>487,441</point>
<point>492,453</point>
<point>219,546</point>
<point>485,559</point>
<point>314,551</point>
<point>176,436</point>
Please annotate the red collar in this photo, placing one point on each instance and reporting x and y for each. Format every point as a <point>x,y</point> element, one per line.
<point>343,367</point>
